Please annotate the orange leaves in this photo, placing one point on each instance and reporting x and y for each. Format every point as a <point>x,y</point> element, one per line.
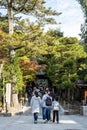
<point>31,66</point>
<point>27,65</point>
<point>30,69</point>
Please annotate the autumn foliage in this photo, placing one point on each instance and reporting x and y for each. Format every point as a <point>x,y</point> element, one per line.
<point>30,68</point>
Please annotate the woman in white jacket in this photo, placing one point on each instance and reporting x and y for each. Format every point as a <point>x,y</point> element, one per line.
<point>35,106</point>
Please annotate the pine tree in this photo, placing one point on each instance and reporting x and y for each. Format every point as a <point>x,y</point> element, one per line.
<point>35,8</point>
<point>83,4</point>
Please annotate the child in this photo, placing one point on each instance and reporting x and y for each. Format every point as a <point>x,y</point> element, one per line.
<point>55,106</point>
<point>35,106</point>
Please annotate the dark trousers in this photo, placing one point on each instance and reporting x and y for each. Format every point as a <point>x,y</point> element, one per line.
<point>55,115</point>
<point>35,117</point>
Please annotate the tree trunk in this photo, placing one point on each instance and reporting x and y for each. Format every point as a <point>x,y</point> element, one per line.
<point>10,17</point>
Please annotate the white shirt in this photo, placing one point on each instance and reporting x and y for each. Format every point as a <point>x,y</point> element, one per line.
<point>55,105</point>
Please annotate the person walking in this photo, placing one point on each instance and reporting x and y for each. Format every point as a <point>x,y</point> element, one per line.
<point>46,106</point>
<point>35,106</point>
<point>55,106</point>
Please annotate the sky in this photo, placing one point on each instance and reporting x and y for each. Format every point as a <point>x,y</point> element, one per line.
<point>71,17</point>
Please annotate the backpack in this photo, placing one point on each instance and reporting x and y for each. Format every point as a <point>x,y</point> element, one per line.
<point>48,101</point>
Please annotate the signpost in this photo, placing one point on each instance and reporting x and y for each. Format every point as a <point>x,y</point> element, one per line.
<point>8,96</point>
